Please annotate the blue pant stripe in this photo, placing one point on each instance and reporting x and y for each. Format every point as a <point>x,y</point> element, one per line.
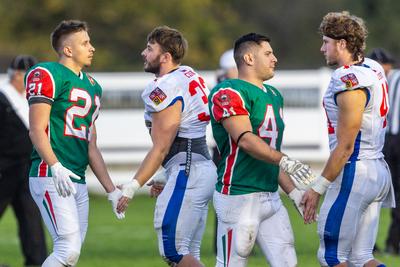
<point>335,215</point>
<point>171,217</point>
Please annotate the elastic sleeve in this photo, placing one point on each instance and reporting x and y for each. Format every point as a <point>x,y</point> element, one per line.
<point>227,102</point>
<point>40,86</point>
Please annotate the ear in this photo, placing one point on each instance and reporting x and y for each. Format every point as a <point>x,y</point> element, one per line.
<point>165,57</point>
<point>248,58</point>
<point>342,44</point>
<point>67,51</point>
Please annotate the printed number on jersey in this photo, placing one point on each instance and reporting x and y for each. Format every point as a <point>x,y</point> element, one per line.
<point>269,129</point>
<point>79,111</point>
<point>196,87</point>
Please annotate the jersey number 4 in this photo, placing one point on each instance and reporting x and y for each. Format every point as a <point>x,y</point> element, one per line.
<point>79,111</point>
<point>269,129</point>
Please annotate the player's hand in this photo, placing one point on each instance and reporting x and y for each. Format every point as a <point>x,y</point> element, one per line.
<point>300,173</point>
<point>296,196</point>
<point>114,197</point>
<point>310,202</point>
<point>157,183</point>
<point>62,179</point>
<point>128,191</point>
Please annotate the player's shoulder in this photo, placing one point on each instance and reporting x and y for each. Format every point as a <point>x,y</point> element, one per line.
<point>353,77</point>
<point>273,90</point>
<point>90,78</point>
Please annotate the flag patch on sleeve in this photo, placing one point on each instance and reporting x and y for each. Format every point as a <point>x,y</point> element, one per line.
<point>350,80</point>
<point>157,96</point>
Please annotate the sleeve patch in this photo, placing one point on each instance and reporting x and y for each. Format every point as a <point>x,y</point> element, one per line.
<point>40,83</point>
<point>226,103</point>
<point>350,80</point>
<point>157,96</point>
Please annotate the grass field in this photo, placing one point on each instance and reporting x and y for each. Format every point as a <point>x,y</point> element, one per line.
<point>132,242</point>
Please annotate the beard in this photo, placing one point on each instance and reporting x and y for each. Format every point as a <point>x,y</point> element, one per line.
<point>153,66</point>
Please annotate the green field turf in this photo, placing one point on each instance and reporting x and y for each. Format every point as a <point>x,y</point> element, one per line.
<point>132,242</point>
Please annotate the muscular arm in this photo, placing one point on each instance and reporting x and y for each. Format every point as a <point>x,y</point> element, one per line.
<point>97,164</point>
<point>165,125</point>
<point>250,143</point>
<point>351,107</point>
<point>39,116</point>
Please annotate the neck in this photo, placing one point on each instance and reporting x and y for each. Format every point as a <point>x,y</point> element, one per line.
<point>73,66</point>
<point>251,78</point>
<point>166,68</point>
<point>347,60</point>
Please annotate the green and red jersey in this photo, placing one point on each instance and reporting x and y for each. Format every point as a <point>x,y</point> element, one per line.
<point>75,103</point>
<point>238,172</point>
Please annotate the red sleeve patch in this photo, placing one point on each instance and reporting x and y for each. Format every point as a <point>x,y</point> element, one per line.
<point>40,83</point>
<point>350,80</point>
<point>227,102</point>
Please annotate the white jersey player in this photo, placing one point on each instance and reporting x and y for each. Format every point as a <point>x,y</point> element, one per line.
<point>356,178</point>
<point>176,113</point>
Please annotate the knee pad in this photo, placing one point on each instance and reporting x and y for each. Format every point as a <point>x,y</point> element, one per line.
<point>245,238</point>
<point>67,248</point>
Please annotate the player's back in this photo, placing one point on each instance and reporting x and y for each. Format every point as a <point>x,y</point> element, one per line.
<point>185,85</point>
<point>370,76</point>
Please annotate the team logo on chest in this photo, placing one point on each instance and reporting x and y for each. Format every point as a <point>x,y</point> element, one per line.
<point>157,96</point>
<point>350,80</point>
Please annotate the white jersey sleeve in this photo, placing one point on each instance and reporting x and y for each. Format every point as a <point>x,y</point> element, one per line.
<point>351,78</point>
<point>161,94</point>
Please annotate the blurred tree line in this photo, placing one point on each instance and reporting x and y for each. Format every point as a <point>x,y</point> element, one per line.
<point>119,27</point>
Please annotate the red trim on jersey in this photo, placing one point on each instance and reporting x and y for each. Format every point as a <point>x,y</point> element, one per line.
<point>43,167</point>
<point>40,82</point>
<point>47,195</point>
<point>229,164</point>
<point>227,102</point>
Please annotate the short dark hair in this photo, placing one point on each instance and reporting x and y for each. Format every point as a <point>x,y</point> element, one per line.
<point>245,42</point>
<point>22,62</point>
<point>170,40</point>
<point>382,56</point>
<point>66,27</point>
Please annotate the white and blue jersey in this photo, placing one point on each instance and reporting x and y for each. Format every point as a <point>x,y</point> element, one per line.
<point>370,76</point>
<point>349,216</point>
<point>181,209</point>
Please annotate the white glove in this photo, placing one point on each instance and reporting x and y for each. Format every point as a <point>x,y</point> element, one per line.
<point>62,179</point>
<point>113,197</point>
<point>320,185</point>
<point>296,195</point>
<point>300,173</point>
<point>129,189</point>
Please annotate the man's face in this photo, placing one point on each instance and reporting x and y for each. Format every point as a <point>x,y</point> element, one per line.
<point>81,49</point>
<point>330,50</point>
<point>265,61</point>
<point>152,57</point>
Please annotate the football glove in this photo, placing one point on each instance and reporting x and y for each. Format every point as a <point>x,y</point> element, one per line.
<point>300,173</point>
<point>62,179</point>
<point>296,195</point>
<point>129,189</point>
<point>114,197</point>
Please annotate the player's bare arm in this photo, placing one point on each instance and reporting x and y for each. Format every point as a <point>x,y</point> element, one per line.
<point>97,164</point>
<point>290,189</point>
<point>39,116</point>
<point>351,107</point>
<point>165,126</point>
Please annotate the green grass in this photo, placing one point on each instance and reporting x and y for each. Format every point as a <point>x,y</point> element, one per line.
<point>132,242</point>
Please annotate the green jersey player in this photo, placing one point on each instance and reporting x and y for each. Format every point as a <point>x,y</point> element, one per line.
<point>64,104</point>
<point>246,119</point>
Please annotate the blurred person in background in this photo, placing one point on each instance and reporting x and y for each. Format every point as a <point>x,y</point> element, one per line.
<point>391,149</point>
<point>15,152</point>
